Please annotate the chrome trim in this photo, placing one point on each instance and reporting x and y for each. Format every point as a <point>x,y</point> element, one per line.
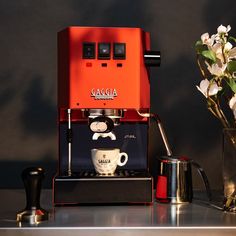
<point>111,113</point>
<point>154,56</point>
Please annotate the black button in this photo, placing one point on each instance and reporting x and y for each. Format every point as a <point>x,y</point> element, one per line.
<point>104,50</point>
<point>104,64</point>
<point>89,50</point>
<point>119,51</point>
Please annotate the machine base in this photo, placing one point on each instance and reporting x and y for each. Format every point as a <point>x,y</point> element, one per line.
<point>87,187</point>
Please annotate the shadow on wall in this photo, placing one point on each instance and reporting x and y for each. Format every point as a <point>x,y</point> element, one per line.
<point>38,116</point>
<point>15,168</point>
<point>30,123</point>
<point>7,92</point>
<point>218,13</point>
<point>113,13</point>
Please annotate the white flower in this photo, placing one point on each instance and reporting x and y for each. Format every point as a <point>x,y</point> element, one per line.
<point>228,52</point>
<point>217,49</point>
<point>207,88</point>
<point>232,53</point>
<point>232,102</point>
<point>216,69</point>
<point>232,105</point>
<point>206,39</point>
<point>223,30</point>
<point>228,46</point>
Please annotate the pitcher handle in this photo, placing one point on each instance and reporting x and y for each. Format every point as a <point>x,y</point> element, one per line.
<point>204,178</point>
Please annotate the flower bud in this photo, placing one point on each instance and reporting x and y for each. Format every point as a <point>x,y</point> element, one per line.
<point>223,30</point>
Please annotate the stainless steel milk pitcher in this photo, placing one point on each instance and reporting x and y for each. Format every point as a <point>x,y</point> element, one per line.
<point>174,180</point>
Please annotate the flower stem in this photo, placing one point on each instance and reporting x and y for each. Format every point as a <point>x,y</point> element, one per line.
<point>215,109</point>
<point>200,68</point>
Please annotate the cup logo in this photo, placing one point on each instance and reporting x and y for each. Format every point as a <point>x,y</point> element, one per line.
<point>104,161</point>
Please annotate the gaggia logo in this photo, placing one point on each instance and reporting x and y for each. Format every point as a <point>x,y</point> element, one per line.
<point>103,93</point>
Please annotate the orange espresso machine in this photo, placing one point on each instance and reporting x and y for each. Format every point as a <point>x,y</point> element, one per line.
<point>103,90</point>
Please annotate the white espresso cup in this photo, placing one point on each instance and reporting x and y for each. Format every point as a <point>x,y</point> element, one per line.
<point>105,161</point>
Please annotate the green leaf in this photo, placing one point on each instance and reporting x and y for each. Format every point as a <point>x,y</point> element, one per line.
<point>199,47</point>
<point>209,54</point>
<point>232,84</point>
<point>231,66</point>
<point>198,43</point>
<point>232,38</point>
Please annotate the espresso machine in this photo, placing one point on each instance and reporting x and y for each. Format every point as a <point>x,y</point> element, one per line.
<point>103,102</point>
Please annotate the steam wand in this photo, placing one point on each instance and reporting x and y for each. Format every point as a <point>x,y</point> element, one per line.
<point>69,140</point>
<point>161,129</point>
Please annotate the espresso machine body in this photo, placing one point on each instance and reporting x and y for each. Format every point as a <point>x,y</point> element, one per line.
<point>103,86</point>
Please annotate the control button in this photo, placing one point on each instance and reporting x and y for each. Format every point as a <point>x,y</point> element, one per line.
<point>88,50</point>
<point>104,50</point>
<point>119,51</point>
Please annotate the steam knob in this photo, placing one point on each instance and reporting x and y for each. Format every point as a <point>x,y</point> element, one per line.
<point>152,58</point>
<point>32,178</point>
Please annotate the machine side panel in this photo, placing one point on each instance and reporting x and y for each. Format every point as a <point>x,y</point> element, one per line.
<point>144,73</point>
<point>63,69</point>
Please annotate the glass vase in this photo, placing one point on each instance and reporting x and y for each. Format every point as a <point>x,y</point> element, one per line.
<point>229,169</point>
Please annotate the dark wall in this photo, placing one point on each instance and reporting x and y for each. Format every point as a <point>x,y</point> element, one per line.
<point>28,29</point>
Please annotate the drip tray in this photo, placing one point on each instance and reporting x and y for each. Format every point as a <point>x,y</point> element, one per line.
<point>88,187</point>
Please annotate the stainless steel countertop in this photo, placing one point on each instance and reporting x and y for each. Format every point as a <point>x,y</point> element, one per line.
<point>196,218</point>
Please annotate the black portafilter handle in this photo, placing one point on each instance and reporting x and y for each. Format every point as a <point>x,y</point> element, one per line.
<point>33,213</point>
<point>32,178</point>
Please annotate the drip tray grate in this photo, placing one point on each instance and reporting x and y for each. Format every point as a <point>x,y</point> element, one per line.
<point>117,174</point>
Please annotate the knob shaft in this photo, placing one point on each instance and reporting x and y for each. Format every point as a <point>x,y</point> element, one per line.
<point>152,58</point>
